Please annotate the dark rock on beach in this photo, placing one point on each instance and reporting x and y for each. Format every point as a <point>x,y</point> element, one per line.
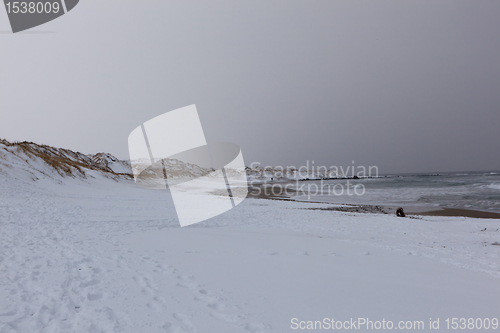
<point>400,212</point>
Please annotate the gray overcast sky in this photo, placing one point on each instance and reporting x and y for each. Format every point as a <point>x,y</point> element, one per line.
<point>409,86</point>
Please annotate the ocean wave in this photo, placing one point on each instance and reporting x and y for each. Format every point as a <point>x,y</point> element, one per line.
<point>495,186</point>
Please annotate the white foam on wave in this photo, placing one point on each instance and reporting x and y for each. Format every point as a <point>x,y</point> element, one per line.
<point>495,186</point>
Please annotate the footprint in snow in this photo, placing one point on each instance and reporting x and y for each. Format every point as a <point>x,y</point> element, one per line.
<point>185,277</point>
<point>95,297</point>
<point>217,306</point>
<point>170,328</point>
<point>187,285</point>
<point>254,328</point>
<point>225,317</point>
<point>186,323</point>
<point>205,298</point>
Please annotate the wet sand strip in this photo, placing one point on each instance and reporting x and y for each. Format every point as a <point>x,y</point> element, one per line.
<point>461,212</point>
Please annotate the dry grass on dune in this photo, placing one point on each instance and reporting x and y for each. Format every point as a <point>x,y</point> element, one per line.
<point>58,159</point>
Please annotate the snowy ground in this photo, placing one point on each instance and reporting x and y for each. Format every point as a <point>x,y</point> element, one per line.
<point>106,256</point>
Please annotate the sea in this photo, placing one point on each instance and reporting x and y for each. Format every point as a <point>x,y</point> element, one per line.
<point>465,190</point>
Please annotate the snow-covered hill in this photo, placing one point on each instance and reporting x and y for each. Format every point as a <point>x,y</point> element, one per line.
<point>108,161</point>
<point>34,161</point>
<point>28,160</point>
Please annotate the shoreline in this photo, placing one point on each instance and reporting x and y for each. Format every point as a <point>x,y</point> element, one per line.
<point>460,212</point>
<point>255,191</point>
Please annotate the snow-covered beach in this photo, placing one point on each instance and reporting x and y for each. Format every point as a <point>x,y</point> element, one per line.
<point>249,166</point>
<point>99,254</point>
